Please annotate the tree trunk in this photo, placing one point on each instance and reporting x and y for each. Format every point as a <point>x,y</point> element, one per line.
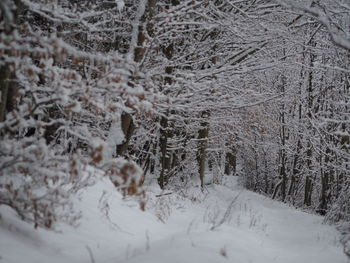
<point>230,162</point>
<point>164,158</point>
<point>128,128</point>
<point>202,146</point>
<point>4,86</point>
<point>137,50</point>
<point>8,85</point>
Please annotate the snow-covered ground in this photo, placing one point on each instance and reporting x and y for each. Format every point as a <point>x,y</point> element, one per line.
<point>223,224</point>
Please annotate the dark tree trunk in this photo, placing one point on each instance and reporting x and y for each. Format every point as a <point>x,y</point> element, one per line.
<point>202,146</point>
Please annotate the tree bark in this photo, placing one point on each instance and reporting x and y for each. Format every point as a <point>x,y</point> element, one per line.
<point>128,128</point>
<point>202,146</point>
<point>230,162</point>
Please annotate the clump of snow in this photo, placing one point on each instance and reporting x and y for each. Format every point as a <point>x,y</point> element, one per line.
<point>120,5</point>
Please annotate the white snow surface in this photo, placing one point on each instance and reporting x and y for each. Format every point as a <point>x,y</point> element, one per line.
<point>225,223</point>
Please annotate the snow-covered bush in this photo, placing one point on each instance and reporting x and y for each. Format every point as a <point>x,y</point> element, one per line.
<point>60,103</point>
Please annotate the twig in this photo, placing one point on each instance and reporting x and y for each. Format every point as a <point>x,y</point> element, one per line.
<point>160,195</point>
<point>148,242</point>
<point>90,254</point>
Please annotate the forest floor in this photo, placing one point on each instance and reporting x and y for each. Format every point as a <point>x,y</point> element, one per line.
<point>225,223</point>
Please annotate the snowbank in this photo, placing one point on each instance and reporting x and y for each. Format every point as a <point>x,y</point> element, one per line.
<point>223,224</point>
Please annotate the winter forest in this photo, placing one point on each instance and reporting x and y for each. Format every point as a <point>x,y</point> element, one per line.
<point>153,127</point>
